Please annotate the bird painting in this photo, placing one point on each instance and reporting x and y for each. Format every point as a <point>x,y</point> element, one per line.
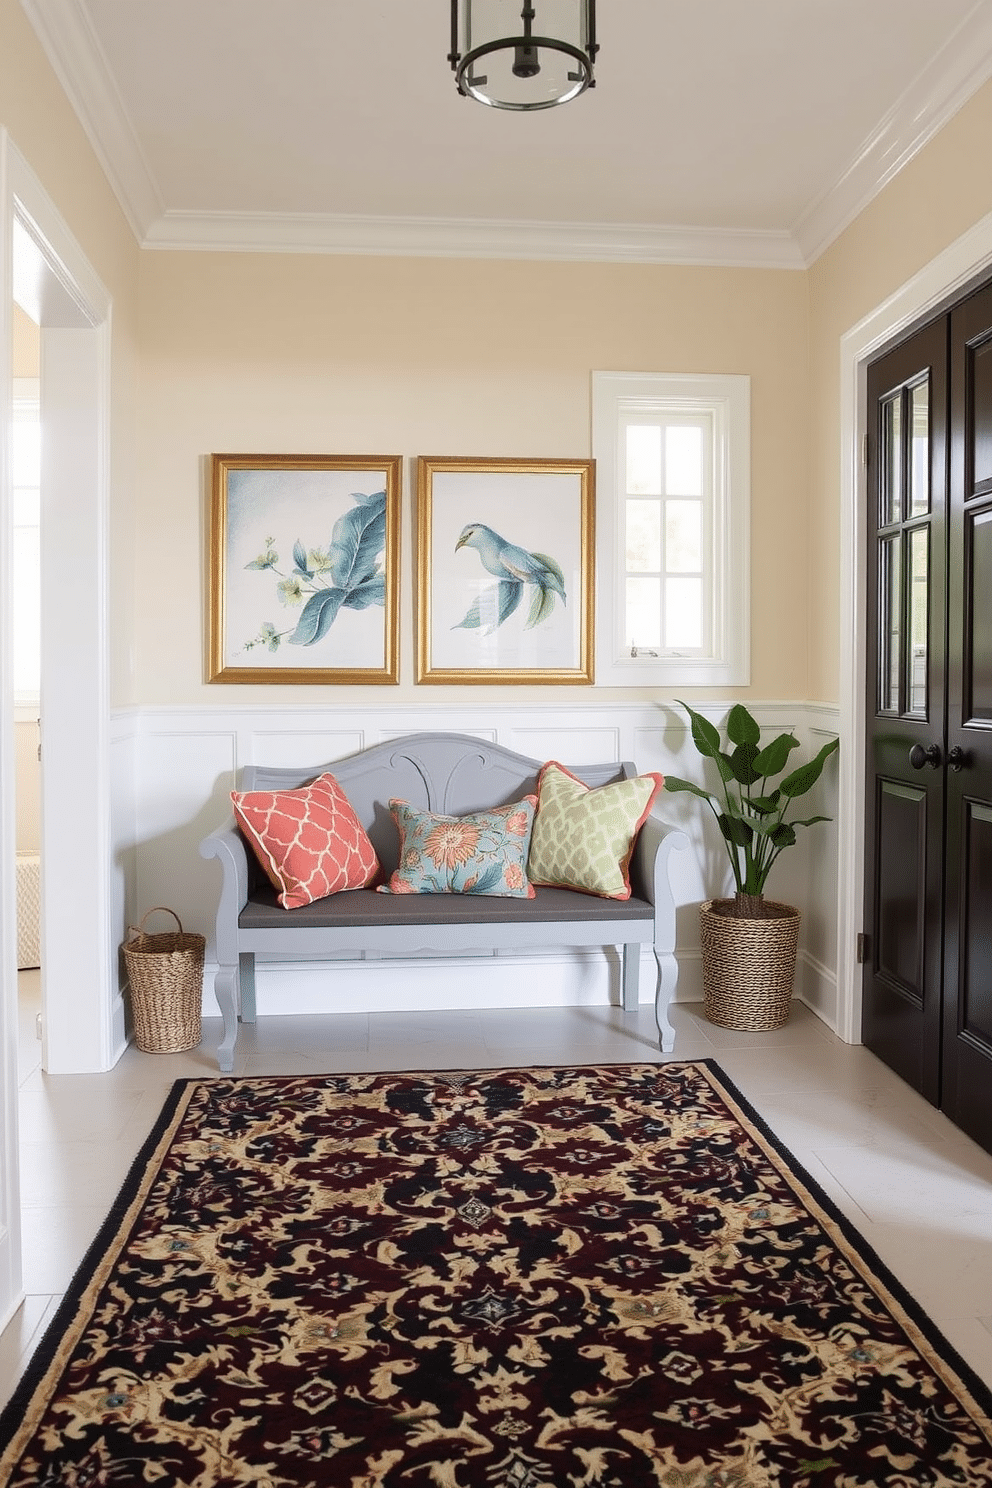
<point>514,568</point>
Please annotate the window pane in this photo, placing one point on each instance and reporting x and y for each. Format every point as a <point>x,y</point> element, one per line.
<point>684,460</point>
<point>644,536</point>
<point>683,536</point>
<point>920,468</point>
<point>644,612</point>
<point>683,613</point>
<point>891,490</point>
<point>919,602</point>
<point>643,460</point>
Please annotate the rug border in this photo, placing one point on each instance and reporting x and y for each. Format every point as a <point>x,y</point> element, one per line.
<point>113,1228</point>
<point>941,1355</point>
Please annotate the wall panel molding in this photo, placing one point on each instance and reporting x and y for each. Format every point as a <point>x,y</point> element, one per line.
<point>186,761</point>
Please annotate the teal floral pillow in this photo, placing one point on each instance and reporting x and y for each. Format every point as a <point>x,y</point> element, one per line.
<point>481,854</point>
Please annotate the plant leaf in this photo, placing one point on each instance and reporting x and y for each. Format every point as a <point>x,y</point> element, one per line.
<point>488,879</point>
<point>300,560</point>
<point>705,735</point>
<point>742,761</point>
<point>358,541</point>
<point>371,592</point>
<point>541,604</point>
<point>803,779</point>
<point>775,756</point>
<point>556,571</point>
<point>674,784</point>
<point>319,614</point>
<point>763,805</point>
<point>736,830</point>
<point>782,835</point>
<point>493,605</point>
<point>741,727</point>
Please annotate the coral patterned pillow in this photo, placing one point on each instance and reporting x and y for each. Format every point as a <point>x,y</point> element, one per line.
<point>481,854</point>
<point>309,841</point>
<point>583,838</point>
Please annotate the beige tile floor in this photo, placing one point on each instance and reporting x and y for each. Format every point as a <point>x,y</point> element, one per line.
<point>919,1191</point>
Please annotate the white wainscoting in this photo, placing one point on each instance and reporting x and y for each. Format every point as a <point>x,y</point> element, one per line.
<point>184,764</point>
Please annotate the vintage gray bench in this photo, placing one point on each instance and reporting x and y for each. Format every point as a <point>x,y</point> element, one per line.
<point>453,774</point>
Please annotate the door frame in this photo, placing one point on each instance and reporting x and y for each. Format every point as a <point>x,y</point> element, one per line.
<point>934,286</point>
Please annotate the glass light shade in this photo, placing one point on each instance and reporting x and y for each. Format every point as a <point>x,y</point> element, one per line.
<point>523,54</point>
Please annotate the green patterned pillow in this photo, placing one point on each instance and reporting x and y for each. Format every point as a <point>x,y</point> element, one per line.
<point>583,838</point>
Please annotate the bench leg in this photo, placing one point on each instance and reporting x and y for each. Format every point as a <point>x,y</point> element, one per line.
<point>668,976</point>
<point>246,970</point>
<point>225,990</point>
<point>631,971</point>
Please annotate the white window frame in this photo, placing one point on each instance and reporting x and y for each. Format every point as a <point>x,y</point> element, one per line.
<point>726,400</point>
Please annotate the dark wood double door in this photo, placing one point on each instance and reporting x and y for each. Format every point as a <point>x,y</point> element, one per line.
<point>928,828</point>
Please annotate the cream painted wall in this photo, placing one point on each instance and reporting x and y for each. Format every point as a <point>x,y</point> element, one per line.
<point>944,191</point>
<point>44,128</point>
<point>299,353</point>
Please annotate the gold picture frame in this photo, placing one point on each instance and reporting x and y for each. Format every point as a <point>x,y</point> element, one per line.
<point>304,569</point>
<point>505,570</point>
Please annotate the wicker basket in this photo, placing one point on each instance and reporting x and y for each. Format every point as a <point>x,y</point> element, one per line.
<point>165,973</point>
<point>749,965</point>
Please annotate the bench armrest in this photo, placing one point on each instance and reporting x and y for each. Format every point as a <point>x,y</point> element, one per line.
<point>651,877</point>
<point>227,845</point>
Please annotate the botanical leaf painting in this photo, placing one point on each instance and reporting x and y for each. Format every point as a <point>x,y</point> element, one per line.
<point>348,572</point>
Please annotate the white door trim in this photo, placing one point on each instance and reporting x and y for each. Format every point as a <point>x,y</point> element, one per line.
<point>935,285</point>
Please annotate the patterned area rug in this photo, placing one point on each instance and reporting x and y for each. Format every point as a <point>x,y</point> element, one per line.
<point>604,1277</point>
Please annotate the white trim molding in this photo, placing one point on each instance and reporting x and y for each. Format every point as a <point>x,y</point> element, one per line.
<point>960,67</point>
<point>458,237</point>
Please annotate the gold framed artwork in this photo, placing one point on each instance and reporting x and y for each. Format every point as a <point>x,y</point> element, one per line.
<point>505,581</point>
<point>304,568</point>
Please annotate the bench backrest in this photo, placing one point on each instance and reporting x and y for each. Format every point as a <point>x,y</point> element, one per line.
<point>452,774</point>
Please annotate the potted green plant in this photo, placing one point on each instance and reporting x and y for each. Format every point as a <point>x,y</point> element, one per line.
<point>749,942</point>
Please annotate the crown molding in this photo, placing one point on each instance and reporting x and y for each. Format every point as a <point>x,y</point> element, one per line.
<point>65,30</point>
<point>955,73</point>
<point>450,237</point>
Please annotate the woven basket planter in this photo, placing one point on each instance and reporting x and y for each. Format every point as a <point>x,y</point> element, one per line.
<point>749,965</point>
<point>165,975</point>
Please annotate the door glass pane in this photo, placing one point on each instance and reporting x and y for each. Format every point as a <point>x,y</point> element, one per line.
<point>644,612</point>
<point>683,613</point>
<point>890,624</point>
<point>919,611</point>
<point>683,460</point>
<point>891,486</point>
<point>644,459</point>
<point>683,536</point>
<point>919,470</point>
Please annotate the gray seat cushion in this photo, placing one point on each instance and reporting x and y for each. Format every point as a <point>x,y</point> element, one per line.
<point>366,907</point>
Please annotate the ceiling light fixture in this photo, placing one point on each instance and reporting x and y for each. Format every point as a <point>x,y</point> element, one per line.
<point>547,61</point>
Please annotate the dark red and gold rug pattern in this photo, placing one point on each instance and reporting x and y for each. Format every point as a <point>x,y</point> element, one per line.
<point>592,1277</point>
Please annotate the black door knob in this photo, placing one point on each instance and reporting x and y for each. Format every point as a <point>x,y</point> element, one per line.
<point>918,756</point>
<point>957,759</point>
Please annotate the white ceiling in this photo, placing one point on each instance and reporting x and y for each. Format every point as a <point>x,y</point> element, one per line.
<point>719,131</point>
